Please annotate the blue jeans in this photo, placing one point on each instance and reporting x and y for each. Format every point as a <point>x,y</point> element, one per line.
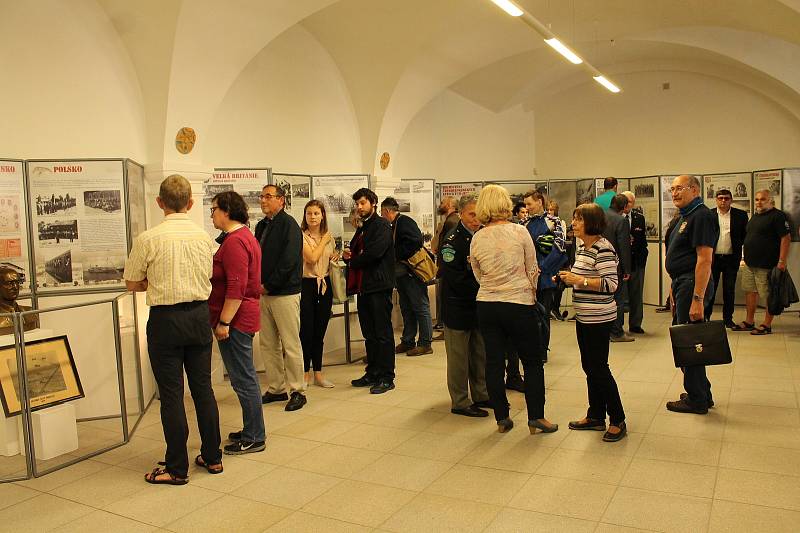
<point>416,311</point>
<point>237,353</point>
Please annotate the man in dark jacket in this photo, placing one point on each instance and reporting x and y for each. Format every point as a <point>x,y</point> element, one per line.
<point>466,354</point>
<point>281,275</point>
<point>618,233</point>
<point>727,253</point>
<point>371,254</point>
<point>638,226</point>
<point>448,210</point>
<point>414,303</point>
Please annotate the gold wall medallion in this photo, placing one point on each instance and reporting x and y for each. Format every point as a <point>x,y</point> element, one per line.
<point>384,160</point>
<point>185,139</point>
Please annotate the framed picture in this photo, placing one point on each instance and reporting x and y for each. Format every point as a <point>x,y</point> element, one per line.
<point>52,375</point>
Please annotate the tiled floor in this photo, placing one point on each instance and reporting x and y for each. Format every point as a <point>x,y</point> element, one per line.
<point>350,461</point>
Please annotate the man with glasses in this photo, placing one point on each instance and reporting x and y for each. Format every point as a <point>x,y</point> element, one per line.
<point>281,277</point>
<point>692,238</point>
<point>727,253</point>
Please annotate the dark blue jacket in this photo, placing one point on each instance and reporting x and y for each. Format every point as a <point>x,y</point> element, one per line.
<point>548,264</point>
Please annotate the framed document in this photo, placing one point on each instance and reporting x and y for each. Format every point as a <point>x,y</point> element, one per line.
<point>52,375</point>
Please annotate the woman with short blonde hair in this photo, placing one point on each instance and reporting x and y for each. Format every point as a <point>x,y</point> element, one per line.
<point>503,261</point>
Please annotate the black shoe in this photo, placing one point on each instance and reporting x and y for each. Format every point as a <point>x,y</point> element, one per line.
<point>485,404</point>
<point>640,331</point>
<point>614,437</point>
<point>297,402</point>
<point>515,383</point>
<point>683,406</point>
<point>730,324</point>
<point>235,436</point>
<point>363,381</point>
<point>438,327</point>
<point>270,397</point>
<point>242,447</point>
<point>471,411</point>
<point>380,388</point>
<point>590,424</point>
<point>505,425</point>
<point>665,309</point>
<point>685,396</point>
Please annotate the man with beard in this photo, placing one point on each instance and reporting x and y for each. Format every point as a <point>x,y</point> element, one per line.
<point>371,275</point>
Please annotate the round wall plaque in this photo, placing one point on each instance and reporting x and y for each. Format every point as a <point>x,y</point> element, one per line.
<point>384,160</point>
<point>185,139</point>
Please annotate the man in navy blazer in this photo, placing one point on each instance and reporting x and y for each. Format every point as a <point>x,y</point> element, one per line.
<point>727,253</point>
<point>638,228</point>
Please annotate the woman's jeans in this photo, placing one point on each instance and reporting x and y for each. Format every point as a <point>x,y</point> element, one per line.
<point>237,354</point>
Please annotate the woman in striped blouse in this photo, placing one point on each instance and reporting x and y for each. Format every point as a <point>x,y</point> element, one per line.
<point>594,280</point>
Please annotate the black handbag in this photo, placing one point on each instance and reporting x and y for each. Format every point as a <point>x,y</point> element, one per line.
<point>700,344</point>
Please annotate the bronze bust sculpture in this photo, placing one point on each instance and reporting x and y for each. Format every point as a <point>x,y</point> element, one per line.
<point>9,291</point>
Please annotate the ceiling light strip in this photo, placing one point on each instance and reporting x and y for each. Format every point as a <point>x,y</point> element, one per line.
<point>509,7</point>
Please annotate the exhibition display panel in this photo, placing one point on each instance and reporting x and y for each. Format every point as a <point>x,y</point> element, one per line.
<point>248,182</point>
<point>71,380</point>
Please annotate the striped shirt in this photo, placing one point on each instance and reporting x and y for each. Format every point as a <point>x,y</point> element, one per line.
<point>598,261</point>
<point>503,261</point>
<point>175,258</point>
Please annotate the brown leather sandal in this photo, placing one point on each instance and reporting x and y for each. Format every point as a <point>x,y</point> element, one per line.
<point>153,477</point>
<point>213,468</point>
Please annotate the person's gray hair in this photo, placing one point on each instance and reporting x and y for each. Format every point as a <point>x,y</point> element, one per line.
<point>765,191</point>
<point>467,199</point>
<point>630,195</point>
<point>691,180</point>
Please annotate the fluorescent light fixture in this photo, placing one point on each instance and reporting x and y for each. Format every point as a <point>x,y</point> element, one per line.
<point>559,47</point>
<point>508,7</point>
<point>607,84</point>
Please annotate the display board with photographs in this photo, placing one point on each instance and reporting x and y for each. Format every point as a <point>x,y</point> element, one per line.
<point>415,198</point>
<point>298,192</point>
<point>668,209</point>
<point>457,190</point>
<point>517,189</point>
<point>13,221</point>
<point>336,192</point>
<point>585,191</point>
<point>564,193</point>
<point>623,184</point>
<point>645,190</point>
<point>52,375</point>
<point>79,223</point>
<point>772,181</point>
<point>137,205</point>
<point>791,198</point>
<point>248,182</point>
<point>740,185</point>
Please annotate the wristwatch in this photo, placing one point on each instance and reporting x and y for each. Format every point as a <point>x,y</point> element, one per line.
<point>697,298</point>
<point>221,323</point>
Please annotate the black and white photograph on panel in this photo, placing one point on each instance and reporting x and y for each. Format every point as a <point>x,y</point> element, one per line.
<point>301,190</point>
<point>286,186</point>
<point>57,270</point>
<point>213,189</point>
<point>791,199</point>
<point>98,202</point>
<point>564,192</point>
<point>57,232</point>
<point>252,199</point>
<point>100,268</point>
<point>772,181</point>
<point>55,204</point>
<point>584,192</point>
<point>645,189</point>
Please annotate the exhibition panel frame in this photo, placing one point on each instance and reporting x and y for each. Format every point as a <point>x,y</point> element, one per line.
<point>15,249</point>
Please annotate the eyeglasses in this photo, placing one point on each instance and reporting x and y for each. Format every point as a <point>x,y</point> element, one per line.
<point>214,209</point>
<point>724,198</point>
<point>268,196</point>
<point>679,188</point>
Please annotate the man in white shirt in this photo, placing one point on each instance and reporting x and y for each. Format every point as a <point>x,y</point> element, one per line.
<point>727,253</point>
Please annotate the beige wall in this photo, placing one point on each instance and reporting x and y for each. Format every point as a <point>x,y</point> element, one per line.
<point>702,124</point>
<point>68,89</point>
<point>453,139</point>
<point>289,113</point>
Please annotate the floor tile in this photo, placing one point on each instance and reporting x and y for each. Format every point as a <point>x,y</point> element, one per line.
<point>375,438</point>
<point>592,441</point>
<point>760,458</point>
<point>658,511</point>
<point>61,477</point>
<point>316,428</point>
<point>676,478</point>
<point>402,472</point>
<point>518,520</point>
<point>159,505</point>
<point>12,494</point>
<point>238,472</point>
<point>280,450</point>
<point>287,487</point>
<point>758,488</point>
<point>709,427</point>
<point>334,460</point>
<point>429,511</point>
<point>517,456</point>
<point>28,515</point>
<point>448,448</point>
<point>478,484</point>
<point>103,522</point>
<point>566,497</point>
<point>586,466</point>
<point>358,502</point>
<point>103,488</point>
<point>300,522</point>
<point>413,419</point>
<point>729,517</point>
<point>680,450</point>
<point>230,514</point>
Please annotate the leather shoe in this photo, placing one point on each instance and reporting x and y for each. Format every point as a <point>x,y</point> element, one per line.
<point>419,350</point>
<point>485,404</point>
<point>640,331</point>
<point>614,437</point>
<point>381,387</point>
<point>730,324</point>
<point>270,397</point>
<point>590,424</point>
<point>685,396</point>
<point>515,383</point>
<point>297,402</point>
<point>402,348</point>
<point>363,381</point>
<point>683,406</point>
<point>622,338</point>
<point>439,337</point>
<point>471,411</point>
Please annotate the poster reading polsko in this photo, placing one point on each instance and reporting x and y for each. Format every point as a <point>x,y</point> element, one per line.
<point>247,182</point>
<point>13,223</point>
<point>79,223</point>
